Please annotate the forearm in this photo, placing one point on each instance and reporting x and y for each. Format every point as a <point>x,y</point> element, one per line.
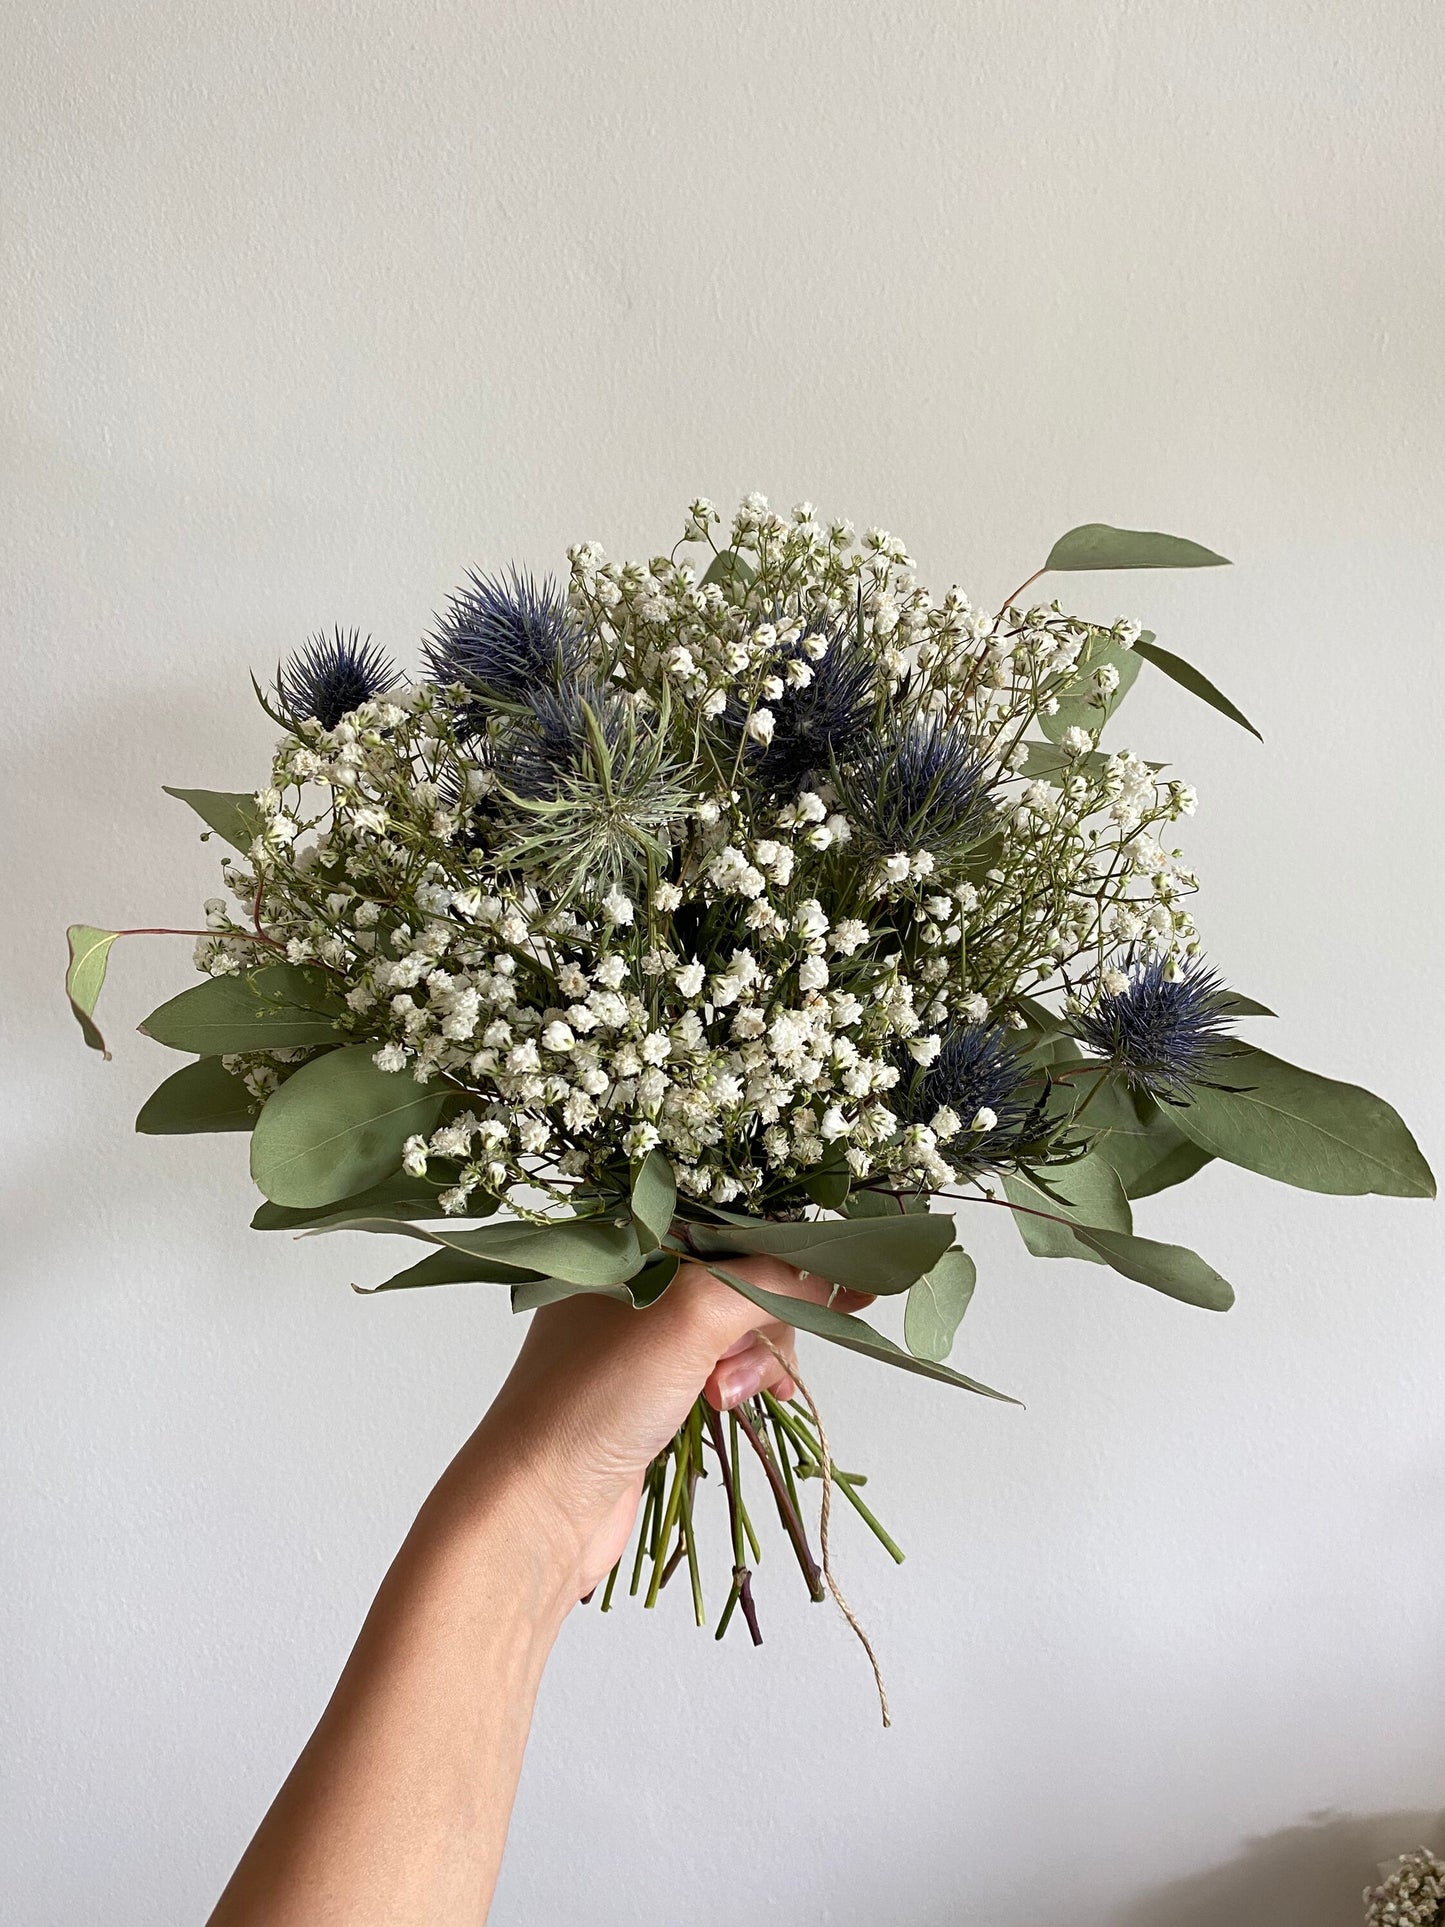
<point>397,1810</point>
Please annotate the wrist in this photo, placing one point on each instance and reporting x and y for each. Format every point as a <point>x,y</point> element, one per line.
<point>491,1525</point>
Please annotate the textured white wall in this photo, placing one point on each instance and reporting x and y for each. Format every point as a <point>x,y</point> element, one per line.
<point>311,305</point>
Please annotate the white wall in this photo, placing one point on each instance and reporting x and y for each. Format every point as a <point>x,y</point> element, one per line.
<point>309,306</point>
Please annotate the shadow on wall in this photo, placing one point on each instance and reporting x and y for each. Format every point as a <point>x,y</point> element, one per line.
<point>1307,1876</point>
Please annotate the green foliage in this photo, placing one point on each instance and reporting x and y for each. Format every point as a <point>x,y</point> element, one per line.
<point>882,1255</point>
<point>841,1328</point>
<point>729,570</point>
<point>400,1197</point>
<point>936,1303</point>
<point>231,814</point>
<point>1306,1130</point>
<point>450,1268</point>
<point>279,1007</point>
<point>590,1252</point>
<point>1079,705</point>
<point>89,955</point>
<point>338,1126</point>
<point>1139,1139</point>
<point>654,1198</point>
<point>1089,1192</point>
<point>1095,545</point>
<point>1172,1269</point>
<point>1192,679</point>
<point>203,1096</point>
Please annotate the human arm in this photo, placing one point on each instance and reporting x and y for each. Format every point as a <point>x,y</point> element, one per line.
<point>396,1812</point>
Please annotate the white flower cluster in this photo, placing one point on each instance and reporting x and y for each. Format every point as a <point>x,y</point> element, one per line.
<point>765,976</point>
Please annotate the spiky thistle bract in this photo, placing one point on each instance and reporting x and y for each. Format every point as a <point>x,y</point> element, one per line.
<point>505,636</point>
<point>922,786</point>
<point>1163,1033</point>
<point>331,676</point>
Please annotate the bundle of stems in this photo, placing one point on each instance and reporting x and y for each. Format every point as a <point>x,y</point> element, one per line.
<point>783,1438</point>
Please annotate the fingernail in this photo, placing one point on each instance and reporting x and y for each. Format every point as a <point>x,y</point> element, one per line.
<point>741,1382</point>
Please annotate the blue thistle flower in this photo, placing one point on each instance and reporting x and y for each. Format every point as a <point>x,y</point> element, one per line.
<point>816,727</point>
<point>554,741</point>
<point>977,1069</point>
<point>925,787</point>
<point>505,636</point>
<point>1162,1032</point>
<point>332,676</point>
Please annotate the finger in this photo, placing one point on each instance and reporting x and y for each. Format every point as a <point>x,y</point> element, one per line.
<point>761,1362</point>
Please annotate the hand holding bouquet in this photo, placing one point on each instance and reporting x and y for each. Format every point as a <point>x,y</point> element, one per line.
<point>766,905</point>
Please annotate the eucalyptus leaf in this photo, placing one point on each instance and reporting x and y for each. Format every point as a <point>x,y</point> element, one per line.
<point>399,1197</point>
<point>449,1268</point>
<point>864,1203</point>
<point>1096,545</point>
<point>256,1011</point>
<point>881,1255</point>
<point>1139,1139</point>
<point>1172,1269</point>
<point>1192,679</point>
<point>841,1328</point>
<point>936,1303</point>
<point>640,1291</point>
<point>231,814</point>
<point>728,569</point>
<point>203,1096</point>
<point>828,1183</point>
<point>1234,1003</point>
<point>1079,705</point>
<point>654,1197</point>
<point>1088,1192</point>
<point>84,975</point>
<point>592,1252</point>
<point>337,1126</point>
<point>1306,1130</point>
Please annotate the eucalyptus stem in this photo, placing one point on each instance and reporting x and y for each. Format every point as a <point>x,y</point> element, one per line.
<point>669,1520</point>
<point>794,1424</point>
<point>606,1605</point>
<point>787,1511</point>
<point>644,1532</point>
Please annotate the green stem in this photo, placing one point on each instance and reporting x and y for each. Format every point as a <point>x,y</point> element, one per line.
<point>611,1582</point>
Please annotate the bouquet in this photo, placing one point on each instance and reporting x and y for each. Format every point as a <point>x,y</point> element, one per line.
<point>762,903</point>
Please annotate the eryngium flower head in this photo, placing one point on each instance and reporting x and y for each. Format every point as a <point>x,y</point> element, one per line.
<point>564,732</point>
<point>924,787</point>
<point>1162,1032</point>
<point>816,727</point>
<point>505,636</point>
<point>976,1070</point>
<point>587,787</point>
<point>332,676</point>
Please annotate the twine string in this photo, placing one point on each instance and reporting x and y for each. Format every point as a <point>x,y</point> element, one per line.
<point>825,1469</point>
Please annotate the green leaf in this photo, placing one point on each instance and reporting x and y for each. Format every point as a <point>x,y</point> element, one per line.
<point>1139,1139</point>
<point>203,1096</point>
<point>1088,1192</point>
<point>644,1289</point>
<point>936,1304</point>
<point>843,1329</point>
<point>338,1126</point>
<point>592,1252</point>
<point>1095,545</point>
<point>882,1204</point>
<point>1234,1003</point>
<point>1306,1130</point>
<point>261,1010</point>
<point>84,975</point>
<point>1079,705</point>
<point>881,1255</point>
<point>399,1197</point>
<point>448,1268</point>
<point>654,1197</point>
<point>729,570</point>
<point>1172,1269</point>
<point>1190,678</point>
<point>828,1183</point>
<point>229,813</point>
